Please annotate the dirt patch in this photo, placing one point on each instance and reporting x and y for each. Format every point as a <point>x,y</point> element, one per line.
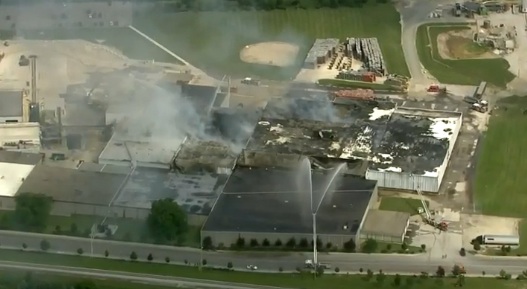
<point>270,53</point>
<point>459,45</point>
<point>475,225</point>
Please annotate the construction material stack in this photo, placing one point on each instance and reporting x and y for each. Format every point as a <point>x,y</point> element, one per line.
<point>365,76</point>
<point>369,52</point>
<point>356,94</point>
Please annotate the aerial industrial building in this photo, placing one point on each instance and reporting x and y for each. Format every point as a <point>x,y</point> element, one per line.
<point>405,148</point>
<point>266,203</point>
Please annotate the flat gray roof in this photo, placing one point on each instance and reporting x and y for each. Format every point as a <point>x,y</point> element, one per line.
<point>71,185</point>
<point>20,158</point>
<point>385,223</point>
<point>11,103</point>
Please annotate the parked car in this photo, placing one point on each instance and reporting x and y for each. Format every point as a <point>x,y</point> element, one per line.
<point>252,267</point>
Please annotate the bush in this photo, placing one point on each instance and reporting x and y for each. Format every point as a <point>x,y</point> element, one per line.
<point>80,251</point>
<point>106,253</point>
<point>266,243</point>
<point>204,262</point>
<point>58,230</point>
<point>278,243</point>
<point>24,246</point>
<point>240,242</point>
<point>254,243</point>
<point>291,243</point>
<point>329,246</point>
<point>280,269</point>
<point>350,245</point>
<point>337,269</point>
<point>462,252</point>
<point>185,261</point>
<point>229,265</point>
<point>388,248</point>
<point>150,257</point>
<point>167,259</point>
<point>45,245</point>
<point>133,256</point>
<point>369,246</point>
<point>207,243</point>
<point>303,243</point>
<point>423,247</point>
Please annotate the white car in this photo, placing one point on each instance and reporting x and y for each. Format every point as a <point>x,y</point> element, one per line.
<point>252,267</point>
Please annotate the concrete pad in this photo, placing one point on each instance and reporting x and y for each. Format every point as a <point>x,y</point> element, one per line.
<point>475,225</point>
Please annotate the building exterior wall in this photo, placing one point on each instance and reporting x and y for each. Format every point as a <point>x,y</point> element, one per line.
<point>11,119</point>
<point>229,238</point>
<point>451,145</point>
<point>403,181</point>
<point>364,235</point>
<point>69,208</point>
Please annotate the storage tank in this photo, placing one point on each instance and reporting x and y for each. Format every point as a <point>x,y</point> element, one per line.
<point>508,240</point>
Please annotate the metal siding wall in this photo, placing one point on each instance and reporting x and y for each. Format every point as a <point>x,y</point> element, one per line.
<point>374,198</point>
<point>403,181</point>
<point>443,167</point>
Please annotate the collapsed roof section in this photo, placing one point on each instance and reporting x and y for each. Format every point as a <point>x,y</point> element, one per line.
<point>416,141</point>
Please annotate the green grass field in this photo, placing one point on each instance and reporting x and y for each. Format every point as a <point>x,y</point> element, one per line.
<point>272,279</point>
<point>400,205</point>
<point>126,40</point>
<point>213,40</point>
<point>466,71</point>
<point>501,170</point>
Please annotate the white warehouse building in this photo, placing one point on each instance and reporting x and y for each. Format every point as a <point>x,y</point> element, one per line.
<point>415,150</point>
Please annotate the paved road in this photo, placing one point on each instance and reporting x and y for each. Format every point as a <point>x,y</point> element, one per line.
<point>413,14</point>
<point>271,261</point>
<point>129,277</point>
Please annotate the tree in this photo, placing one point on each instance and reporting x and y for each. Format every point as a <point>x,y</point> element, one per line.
<point>266,243</point>
<point>369,246</point>
<point>150,257</point>
<point>32,211</point>
<point>291,243</point>
<point>229,265</point>
<point>58,230</point>
<point>503,274</point>
<point>303,243</point>
<point>106,253</point>
<point>278,243</point>
<point>456,270</point>
<point>166,221</point>
<point>240,242</point>
<point>423,247</point>
<point>462,252</point>
<point>80,251</point>
<point>350,245</point>
<point>477,246</point>
<point>460,281</point>
<point>397,280</point>
<point>280,269</point>
<point>404,246</point>
<point>254,243</point>
<point>207,243</point>
<point>337,269</point>
<point>24,246</point>
<point>204,262</point>
<point>380,277</point>
<point>45,245</point>
<point>369,274</point>
<point>440,272</point>
<point>74,230</point>
<point>133,256</point>
<point>167,259</point>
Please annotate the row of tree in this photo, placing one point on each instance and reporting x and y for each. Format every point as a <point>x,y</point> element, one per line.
<point>167,221</point>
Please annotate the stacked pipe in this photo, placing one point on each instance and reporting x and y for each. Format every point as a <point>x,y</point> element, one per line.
<point>369,52</point>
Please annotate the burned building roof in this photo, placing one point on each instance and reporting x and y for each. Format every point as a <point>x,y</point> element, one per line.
<point>211,156</point>
<point>234,125</point>
<point>278,137</point>
<point>269,200</point>
<point>202,97</point>
<point>416,141</point>
<point>196,193</point>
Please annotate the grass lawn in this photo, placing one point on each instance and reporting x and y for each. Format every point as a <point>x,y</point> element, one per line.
<point>501,169</point>
<point>401,205</point>
<point>14,277</point>
<point>124,39</point>
<point>465,71</point>
<point>275,279</point>
<point>212,40</point>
